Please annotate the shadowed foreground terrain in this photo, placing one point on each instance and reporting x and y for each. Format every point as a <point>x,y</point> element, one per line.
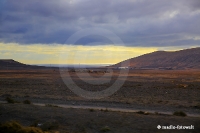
<point>91,121</point>
<point>155,90</point>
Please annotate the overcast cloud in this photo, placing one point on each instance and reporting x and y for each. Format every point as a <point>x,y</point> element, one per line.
<point>136,22</point>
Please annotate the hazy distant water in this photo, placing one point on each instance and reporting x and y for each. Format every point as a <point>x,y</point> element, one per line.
<point>73,65</point>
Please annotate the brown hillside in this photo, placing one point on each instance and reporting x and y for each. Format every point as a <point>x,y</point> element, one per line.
<point>12,64</point>
<point>188,58</point>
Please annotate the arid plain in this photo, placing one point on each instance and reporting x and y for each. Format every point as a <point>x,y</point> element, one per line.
<point>148,98</point>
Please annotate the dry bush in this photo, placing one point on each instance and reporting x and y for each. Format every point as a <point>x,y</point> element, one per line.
<point>105,129</point>
<point>179,113</point>
<point>27,102</point>
<point>49,126</point>
<point>140,112</point>
<point>10,100</point>
<point>51,105</point>
<point>15,127</point>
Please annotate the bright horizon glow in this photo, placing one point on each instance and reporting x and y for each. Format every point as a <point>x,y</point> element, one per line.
<point>74,54</point>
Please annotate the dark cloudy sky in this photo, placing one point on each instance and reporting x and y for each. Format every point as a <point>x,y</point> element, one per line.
<point>138,23</point>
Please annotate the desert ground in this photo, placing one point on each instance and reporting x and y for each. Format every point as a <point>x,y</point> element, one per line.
<point>147,98</point>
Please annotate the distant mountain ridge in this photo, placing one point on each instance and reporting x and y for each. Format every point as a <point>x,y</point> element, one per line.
<point>12,64</point>
<point>183,59</point>
<point>187,58</point>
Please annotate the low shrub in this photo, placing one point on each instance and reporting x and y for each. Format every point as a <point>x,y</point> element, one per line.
<point>106,110</point>
<point>91,110</point>
<point>140,112</point>
<point>35,123</point>
<point>15,127</point>
<point>146,113</point>
<point>179,113</point>
<point>196,106</point>
<point>105,129</point>
<point>51,105</point>
<point>49,126</point>
<point>10,100</point>
<point>27,102</point>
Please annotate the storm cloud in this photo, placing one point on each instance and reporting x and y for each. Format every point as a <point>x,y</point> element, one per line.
<point>137,22</point>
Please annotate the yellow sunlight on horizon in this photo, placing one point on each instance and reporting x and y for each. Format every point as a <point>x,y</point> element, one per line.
<point>70,54</point>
